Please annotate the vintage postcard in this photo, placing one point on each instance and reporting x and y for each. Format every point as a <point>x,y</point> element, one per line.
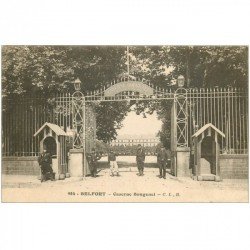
<point>124,123</point>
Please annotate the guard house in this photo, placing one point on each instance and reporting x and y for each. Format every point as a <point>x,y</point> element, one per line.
<point>55,140</point>
<point>206,153</point>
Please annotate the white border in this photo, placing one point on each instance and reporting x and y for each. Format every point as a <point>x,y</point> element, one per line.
<point>124,226</point>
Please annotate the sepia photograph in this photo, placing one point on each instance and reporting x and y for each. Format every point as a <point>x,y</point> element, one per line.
<point>124,125</point>
<point>142,123</point>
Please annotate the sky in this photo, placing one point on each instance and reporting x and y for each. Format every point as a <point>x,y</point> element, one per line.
<point>136,124</point>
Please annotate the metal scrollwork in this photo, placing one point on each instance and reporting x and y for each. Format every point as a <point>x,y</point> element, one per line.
<point>78,103</point>
<point>180,99</point>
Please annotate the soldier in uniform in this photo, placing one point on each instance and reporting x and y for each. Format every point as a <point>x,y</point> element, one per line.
<point>113,163</point>
<point>45,161</point>
<point>92,159</point>
<point>163,157</point>
<point>140,158</point>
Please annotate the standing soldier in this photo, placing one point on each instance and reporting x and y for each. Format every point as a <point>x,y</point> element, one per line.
<point>92,159</point>
<point>45,161</point>
<point>163,157</point>
<point>113,163</point>
<point>140,158</point>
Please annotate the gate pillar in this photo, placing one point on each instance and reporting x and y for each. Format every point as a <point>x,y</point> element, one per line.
<point>76,160</point>
<point>182,162</point>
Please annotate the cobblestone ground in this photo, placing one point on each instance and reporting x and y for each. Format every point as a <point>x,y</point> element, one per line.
<point>128,187</point>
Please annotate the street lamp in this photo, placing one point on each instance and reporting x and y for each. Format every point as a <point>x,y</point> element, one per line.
<point>77,84</point>
<point>180,81</point>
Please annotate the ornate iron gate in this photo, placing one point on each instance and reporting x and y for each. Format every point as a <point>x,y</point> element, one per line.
<point>226,108</point>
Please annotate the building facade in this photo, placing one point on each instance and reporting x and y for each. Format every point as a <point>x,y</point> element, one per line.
<point>134,140</point>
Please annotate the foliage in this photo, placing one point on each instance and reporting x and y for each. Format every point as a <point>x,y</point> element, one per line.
<point>201,65</point>
<point>34,68</point>
<point>163,109</point>
<point>164,114</point>
<point>102,147</point>
<point>49,69</point>
<point>107,125</point>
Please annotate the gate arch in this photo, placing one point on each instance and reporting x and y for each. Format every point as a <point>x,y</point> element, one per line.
<point>134,86</point>
<point>131,84</point>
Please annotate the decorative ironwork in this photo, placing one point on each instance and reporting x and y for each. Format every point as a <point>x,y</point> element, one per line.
<point>62,111</point>
<point>129,87</point>
<point>180,100</point>
<point>226,108</point>
<point>90,121</point>
<point>78,103</point>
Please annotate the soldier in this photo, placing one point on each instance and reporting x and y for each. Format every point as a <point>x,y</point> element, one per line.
<point>113,163</point>
<point>163,157</point>
<point>92,159</point>
<point>140,158</point>
<point>45,161</point>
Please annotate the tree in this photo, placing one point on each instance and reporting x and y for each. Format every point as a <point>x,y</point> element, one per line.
<point>109,117</point>
<point>31,69</point>
<point>202,66</point>
<point>48,69</point>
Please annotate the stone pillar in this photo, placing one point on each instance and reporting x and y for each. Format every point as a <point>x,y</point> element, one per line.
<point>76,159</point>
<point>173,164</point>
<point>76,166</point>
<point>182,162</point>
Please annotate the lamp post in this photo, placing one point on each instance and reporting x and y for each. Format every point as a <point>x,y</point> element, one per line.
<point>77,84</point>
<point>180,81</point>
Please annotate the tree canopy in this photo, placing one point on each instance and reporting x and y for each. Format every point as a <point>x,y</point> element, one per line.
<point>202,66</point>
<point>53,68</point>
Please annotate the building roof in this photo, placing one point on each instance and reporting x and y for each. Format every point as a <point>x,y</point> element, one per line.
<point>201,130</point>
<point>53,127</point>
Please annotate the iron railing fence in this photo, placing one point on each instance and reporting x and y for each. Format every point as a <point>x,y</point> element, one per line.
<point>23,116</point>
<point>226,108</point>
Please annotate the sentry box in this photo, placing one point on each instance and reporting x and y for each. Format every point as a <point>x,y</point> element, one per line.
<point>57,142</point>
